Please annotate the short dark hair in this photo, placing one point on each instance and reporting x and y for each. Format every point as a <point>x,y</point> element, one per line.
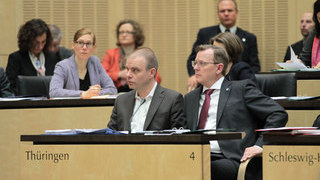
<point>55,32</point>
<point>149,55</point>
<point>29,31</point>
<point>232,44</point>
<point>219,55</point>
<point>137,32</point>
<point>316,9</point>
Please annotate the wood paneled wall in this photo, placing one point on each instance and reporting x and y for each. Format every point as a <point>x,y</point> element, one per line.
<point>170,26</point>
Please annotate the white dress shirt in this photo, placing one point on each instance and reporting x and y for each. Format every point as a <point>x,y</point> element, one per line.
<point>233,29</point>
<point>140,111</point>
<point>212,113</point>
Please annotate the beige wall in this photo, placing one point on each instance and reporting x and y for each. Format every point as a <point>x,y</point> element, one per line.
<point>170,26</point>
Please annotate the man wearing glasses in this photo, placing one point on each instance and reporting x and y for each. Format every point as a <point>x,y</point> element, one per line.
<point>227,14</point>
<point>221,104</point>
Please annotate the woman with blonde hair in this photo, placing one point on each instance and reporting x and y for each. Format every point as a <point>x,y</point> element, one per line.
<point>81,74</point>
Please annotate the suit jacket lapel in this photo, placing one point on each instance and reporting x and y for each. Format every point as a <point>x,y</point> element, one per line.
<point>155,103</point>
<point>223,98</point>
<point>128,109</point>
<point>194,102</point>
<point>74,72</point>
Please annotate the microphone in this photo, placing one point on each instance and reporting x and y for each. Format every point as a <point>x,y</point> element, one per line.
<point>142,102</point>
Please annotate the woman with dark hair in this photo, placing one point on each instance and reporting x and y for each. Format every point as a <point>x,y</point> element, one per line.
<point>81,75</point>
<point>236,70</point>
<point>33,57</point>
<point>129,36</point>
<point>310,54</point>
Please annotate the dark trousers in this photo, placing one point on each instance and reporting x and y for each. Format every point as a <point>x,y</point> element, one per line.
<point>223,168</point>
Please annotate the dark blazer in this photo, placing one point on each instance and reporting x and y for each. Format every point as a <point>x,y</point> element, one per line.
<point>249,55</point>
<point>306,53</point>
<point>297,48</point>
<point>19,63</point>
<point>63,53</point>
<point>240,71</point>
<point>5,90</point>
<point>241,107</point>
<point>165,111</point>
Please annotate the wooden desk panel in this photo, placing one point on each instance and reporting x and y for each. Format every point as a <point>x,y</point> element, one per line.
<point>293,157</point>
<point>302,118</point>
<point>308,87</point>
<point>118,162</point>
<point>15,122</point>
<point>291,162</point>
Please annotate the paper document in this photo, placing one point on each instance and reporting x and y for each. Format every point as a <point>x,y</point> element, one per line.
<point>286,129</point>
<point>295,65</point>
<point>81,131</point>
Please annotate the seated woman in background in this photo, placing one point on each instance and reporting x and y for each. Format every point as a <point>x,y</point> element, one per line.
<point>129,37</point>
<point>236,70</point>
<point>81,74</point>
<point>310,54</point>
<point>33,57</point>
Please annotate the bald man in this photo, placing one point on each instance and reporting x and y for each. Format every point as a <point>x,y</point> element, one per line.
<point>306,25</point>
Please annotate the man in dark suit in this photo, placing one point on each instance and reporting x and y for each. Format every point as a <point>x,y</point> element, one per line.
<point>235,105</point>
<point>149,106</point>
<point>306,25</point>
<point>228,14</point>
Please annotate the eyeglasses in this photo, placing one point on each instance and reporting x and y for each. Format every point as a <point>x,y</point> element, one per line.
<point>202,63</point>
<point>81,44</point>
<point>126,32</point>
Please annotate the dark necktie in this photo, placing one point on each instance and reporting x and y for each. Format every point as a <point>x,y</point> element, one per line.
<point>205,109</point>
<point>227,30</point>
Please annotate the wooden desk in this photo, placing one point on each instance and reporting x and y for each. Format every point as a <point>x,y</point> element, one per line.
<point>292,158</point>
<point>34,117</point>
<point>308,82</point>
<point>301,113</point>
<point>119,156</point>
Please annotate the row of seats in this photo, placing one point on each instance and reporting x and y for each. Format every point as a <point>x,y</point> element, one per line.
<point>273,85</point>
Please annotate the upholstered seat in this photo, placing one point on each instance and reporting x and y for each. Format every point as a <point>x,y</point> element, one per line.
<point>280,84</point>
<point>33,85</point>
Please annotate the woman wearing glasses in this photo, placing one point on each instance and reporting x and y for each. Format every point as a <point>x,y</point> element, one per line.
<point>81,74</point>
<point>129,36</point>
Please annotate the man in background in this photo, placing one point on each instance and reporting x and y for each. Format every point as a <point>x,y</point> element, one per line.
<point>61,52</point>
<point>306,25</point>
<point>227,14</point>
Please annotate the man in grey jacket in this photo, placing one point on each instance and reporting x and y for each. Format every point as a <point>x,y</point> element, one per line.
<point>148,106</point>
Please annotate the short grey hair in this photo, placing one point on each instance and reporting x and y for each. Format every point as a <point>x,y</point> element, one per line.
<point>234,2</point>
<point>219,55</point>
<point>55,31</point>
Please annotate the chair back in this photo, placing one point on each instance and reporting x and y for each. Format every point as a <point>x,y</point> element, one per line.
<point>33,86</point>
<point>316,123</point>
<point>281,84</point>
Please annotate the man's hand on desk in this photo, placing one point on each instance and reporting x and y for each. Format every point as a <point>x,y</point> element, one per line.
<point>251,152</point>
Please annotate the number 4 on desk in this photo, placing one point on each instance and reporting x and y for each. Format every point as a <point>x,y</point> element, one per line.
<point>192,156</point>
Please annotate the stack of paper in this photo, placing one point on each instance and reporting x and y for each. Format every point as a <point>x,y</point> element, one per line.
<point>295,64</point>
